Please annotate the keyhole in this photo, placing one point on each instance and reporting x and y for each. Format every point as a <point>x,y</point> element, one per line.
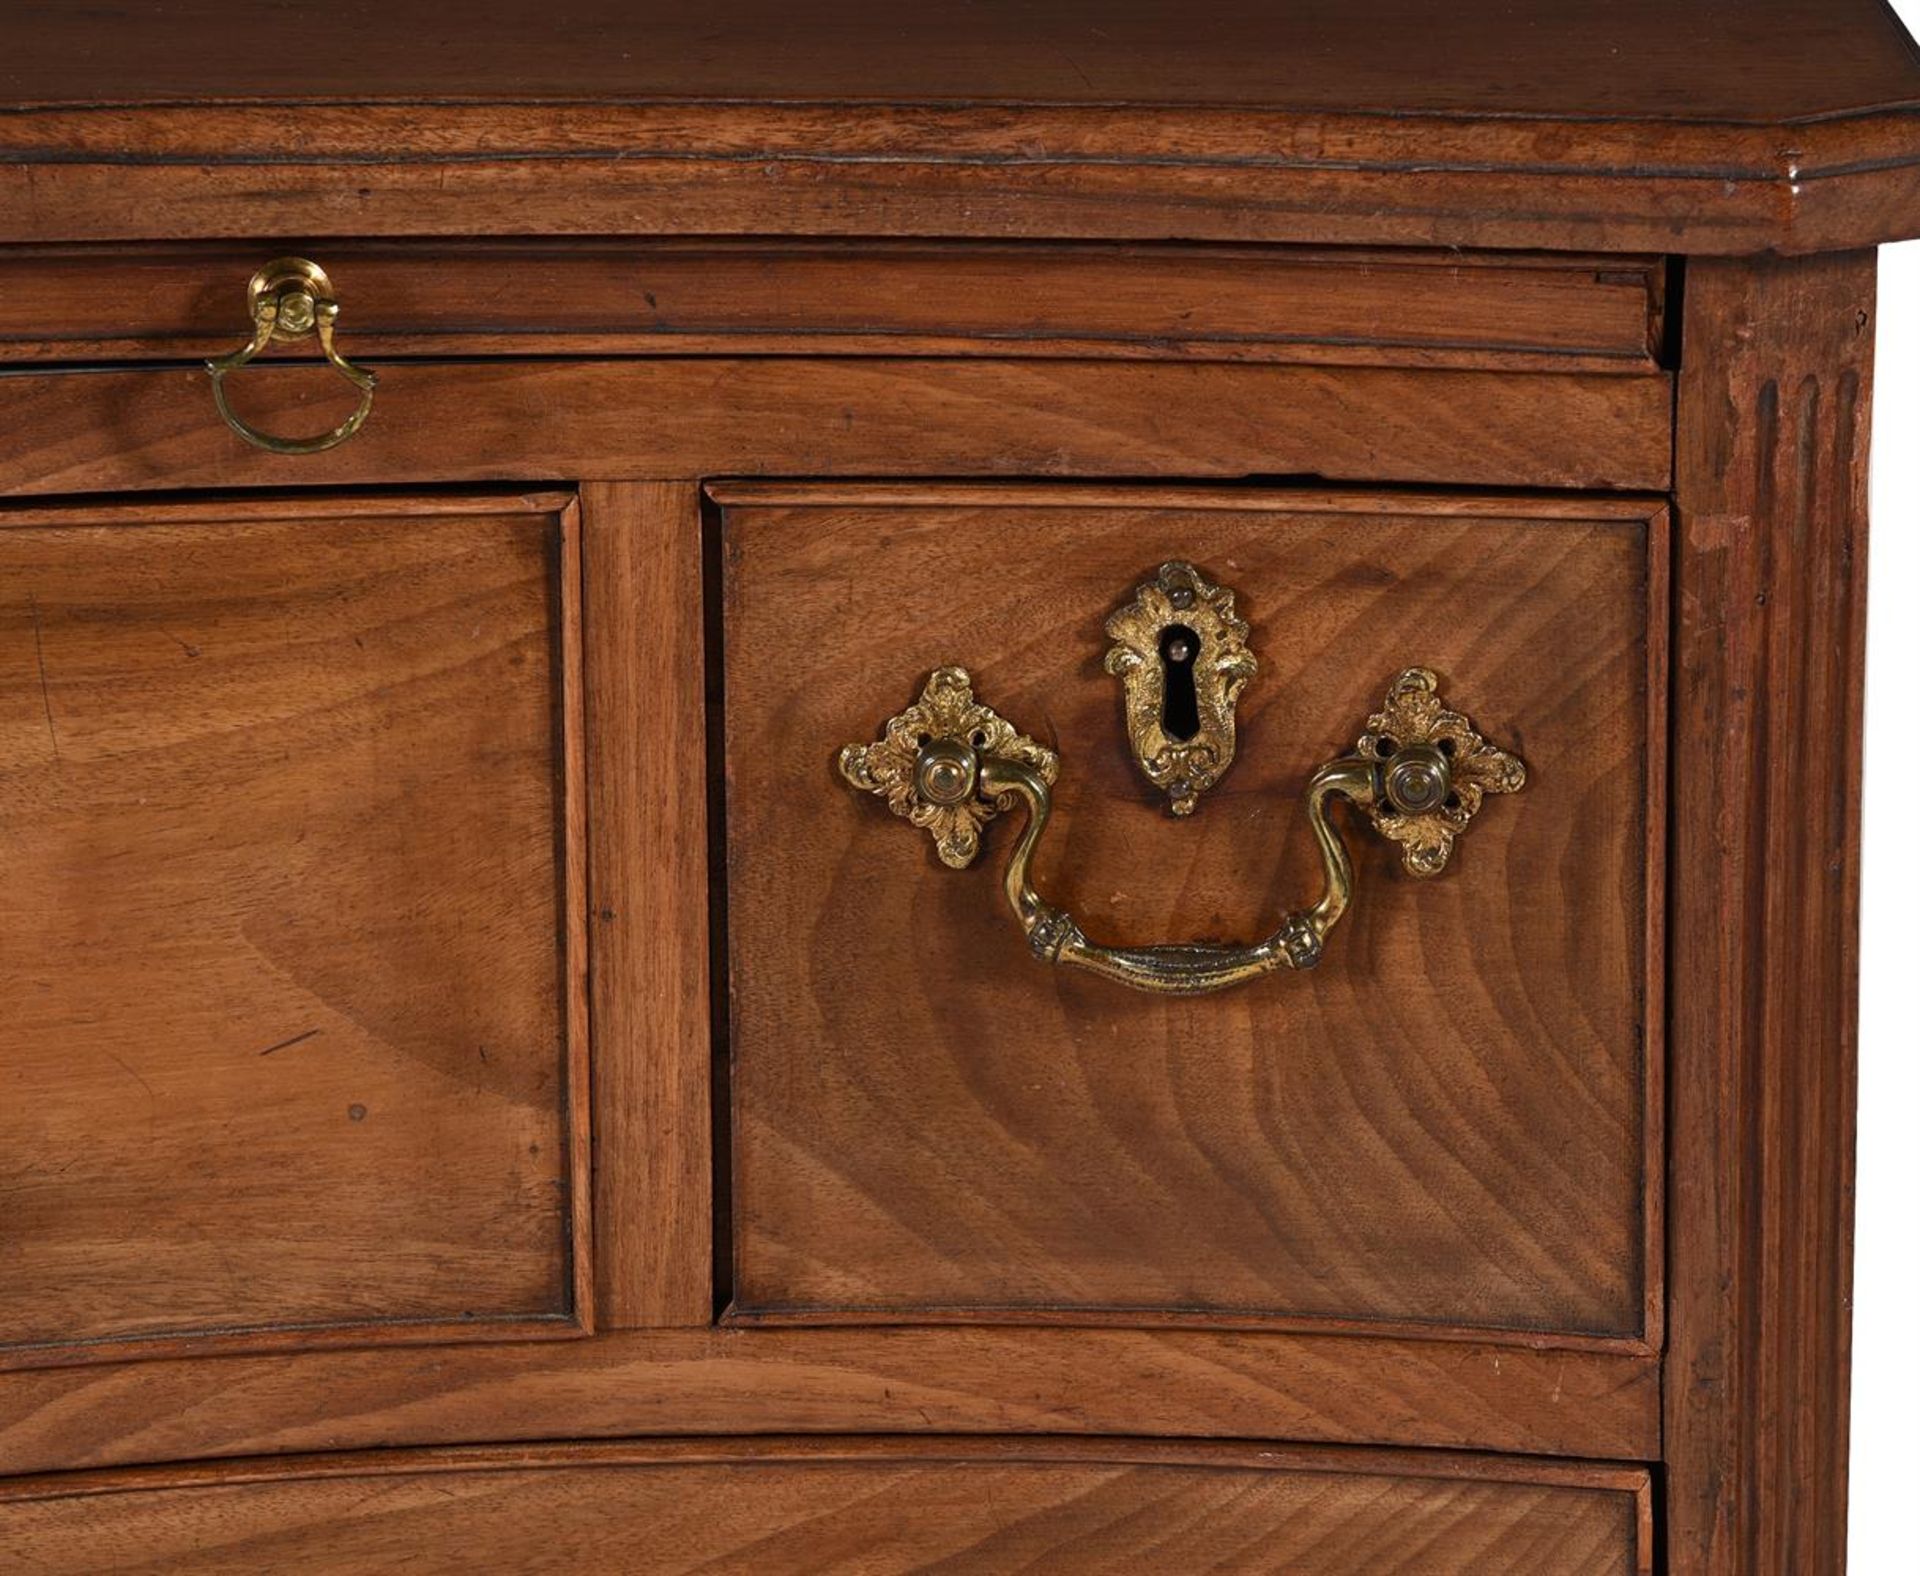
<point>1180,704</point>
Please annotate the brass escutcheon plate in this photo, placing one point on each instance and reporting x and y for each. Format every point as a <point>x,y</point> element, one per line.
<point>1181,653</point>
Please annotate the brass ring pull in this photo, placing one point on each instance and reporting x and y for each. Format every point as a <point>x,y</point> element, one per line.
<point>950,765</point>
<point>287,300</point>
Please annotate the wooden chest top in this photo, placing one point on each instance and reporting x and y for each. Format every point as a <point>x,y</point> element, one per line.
<point>1703,126</point>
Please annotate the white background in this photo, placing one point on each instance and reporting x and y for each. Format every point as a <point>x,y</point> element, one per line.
<point>1886,1327</point>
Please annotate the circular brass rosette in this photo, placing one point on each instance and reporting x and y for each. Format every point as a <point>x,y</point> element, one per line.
<point>287,300</point>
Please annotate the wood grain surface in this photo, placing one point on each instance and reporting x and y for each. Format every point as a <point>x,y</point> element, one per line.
<point>670,418</point>
<point>1768,666</point>
<point>653,1063</point>
<point>148,173</point>
<point>870,1506</point>
<point>1539,312</point>
<point>1446,1125</point>
<point>1647,125</point>
<point>969,1379</point>
<point>290,1041</point>
<point>1666,59</point>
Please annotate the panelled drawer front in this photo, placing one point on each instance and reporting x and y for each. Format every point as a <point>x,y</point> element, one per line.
<point>1446,1126</point>
<point>288,1045</point>
<point>874,1507</point>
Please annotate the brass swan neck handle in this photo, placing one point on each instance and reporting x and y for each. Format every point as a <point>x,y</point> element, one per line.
<point>1180,969</point>
<point>950,764</point>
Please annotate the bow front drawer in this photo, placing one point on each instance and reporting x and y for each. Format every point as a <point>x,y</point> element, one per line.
<point>876,1507</point>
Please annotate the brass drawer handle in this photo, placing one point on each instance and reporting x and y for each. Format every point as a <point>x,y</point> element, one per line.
<point>949,764</point>
<point>287,300</point>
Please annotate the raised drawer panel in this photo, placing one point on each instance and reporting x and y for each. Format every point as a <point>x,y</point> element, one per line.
<point>1450,1124</point>
<point>287,1046</point>
<point>873,1508</point>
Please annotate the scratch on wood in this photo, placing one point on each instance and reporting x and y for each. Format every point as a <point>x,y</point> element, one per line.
<point>281,1045</point>
<point>128,1068</point>
<point>212,1240</point>
<point>40,660</point>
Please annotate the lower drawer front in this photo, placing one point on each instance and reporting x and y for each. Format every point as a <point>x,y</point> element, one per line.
<point>866,1506</point>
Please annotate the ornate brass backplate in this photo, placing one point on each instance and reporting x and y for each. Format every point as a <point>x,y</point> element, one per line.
<point>1182,654</point>
<point>926,764</point>
<point>1436,770</point>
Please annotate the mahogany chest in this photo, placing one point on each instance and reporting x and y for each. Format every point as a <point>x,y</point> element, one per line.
<point>838,787</point>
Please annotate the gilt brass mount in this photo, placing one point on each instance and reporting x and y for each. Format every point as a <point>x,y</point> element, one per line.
<point>1182,654</point>
<point>1435,771</point>
<point>951,764</point>
<point>926,764</point>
